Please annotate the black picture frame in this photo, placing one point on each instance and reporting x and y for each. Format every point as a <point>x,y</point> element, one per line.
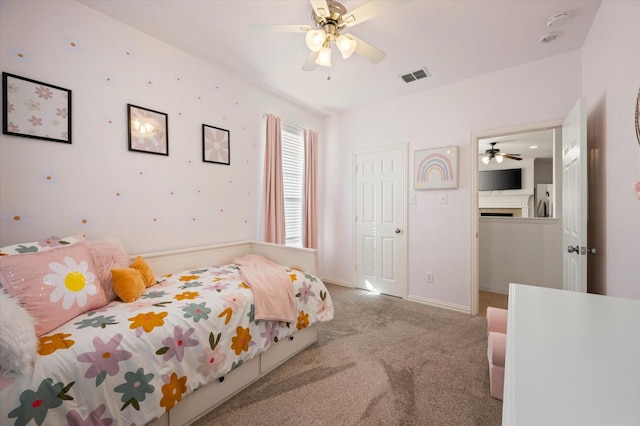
<point>148,130</point>
<point>216,145</point>
<point>36,110</point>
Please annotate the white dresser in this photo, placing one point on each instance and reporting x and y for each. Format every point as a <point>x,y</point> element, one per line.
<point>571,359</point>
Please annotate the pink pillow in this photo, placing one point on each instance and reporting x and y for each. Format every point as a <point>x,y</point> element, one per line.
<point>108,254</point>
<point>55,285</point>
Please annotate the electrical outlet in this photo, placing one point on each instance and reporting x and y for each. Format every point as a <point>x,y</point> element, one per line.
<point>429,277</point>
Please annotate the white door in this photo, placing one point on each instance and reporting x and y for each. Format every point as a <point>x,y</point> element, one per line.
<point>380,220</point>
<point>574,198</point>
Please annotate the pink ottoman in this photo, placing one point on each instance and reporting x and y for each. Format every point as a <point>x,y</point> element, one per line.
<point>497,344</point>
<point>496,319</point>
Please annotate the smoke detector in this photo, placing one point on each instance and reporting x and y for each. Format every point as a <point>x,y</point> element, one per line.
<point>554,21</point>
<point>557,20</point>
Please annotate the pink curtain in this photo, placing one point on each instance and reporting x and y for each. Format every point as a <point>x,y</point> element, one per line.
<point>273,187</point>
<point>310,192</point>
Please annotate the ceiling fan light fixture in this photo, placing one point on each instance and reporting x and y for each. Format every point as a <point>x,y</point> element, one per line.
<point>324,57</point>
<point>346,46</point>
<point>486,159</point>
<point>499,159</point>
<point>315,39</point>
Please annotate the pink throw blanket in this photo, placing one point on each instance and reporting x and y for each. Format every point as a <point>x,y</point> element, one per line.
<point>271,286</point>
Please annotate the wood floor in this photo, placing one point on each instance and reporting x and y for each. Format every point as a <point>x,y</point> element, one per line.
<point>496,300</point>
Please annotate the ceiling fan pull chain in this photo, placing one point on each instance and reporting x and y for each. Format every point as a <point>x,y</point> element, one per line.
<point>328,73</point>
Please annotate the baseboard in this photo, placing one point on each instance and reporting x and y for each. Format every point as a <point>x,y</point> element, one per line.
<point>440,304</point>
<point>494,288</point>
<point>337,282</point>
<point>424,301</point>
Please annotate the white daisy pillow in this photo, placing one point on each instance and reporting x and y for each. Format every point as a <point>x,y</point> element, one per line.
<point>54,285</point>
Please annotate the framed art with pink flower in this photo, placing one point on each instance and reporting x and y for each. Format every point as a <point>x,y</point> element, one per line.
<point>34,109</point>
<point>216,145</point>
<point>148,130</point>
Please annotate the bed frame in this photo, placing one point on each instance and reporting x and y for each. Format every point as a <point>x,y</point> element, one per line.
<point>205,399</point>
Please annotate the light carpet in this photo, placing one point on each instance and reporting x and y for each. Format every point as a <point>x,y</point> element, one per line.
<point>381,361</point>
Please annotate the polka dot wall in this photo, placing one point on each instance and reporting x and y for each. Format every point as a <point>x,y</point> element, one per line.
<point>96,185</point>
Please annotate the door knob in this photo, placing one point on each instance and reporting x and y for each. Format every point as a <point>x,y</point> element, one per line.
<point>591,250</point>
<point>575,249</point>
<point>398,230</point>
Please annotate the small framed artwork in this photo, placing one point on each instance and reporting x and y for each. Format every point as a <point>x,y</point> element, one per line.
<point>216,145</point>
<point>436,168</point>
<point>34,109</point>
<point>148,130</point>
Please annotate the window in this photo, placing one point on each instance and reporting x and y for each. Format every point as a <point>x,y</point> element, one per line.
<point>293,181</point>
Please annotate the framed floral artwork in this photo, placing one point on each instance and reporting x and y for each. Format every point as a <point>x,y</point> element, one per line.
<point>216,145</point>
<point>148,130</point>
<point>34,109</point>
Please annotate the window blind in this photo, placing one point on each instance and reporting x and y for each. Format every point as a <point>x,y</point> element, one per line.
<point>292,175</point>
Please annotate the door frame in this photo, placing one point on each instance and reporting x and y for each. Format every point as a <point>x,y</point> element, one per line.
<point>403,262</point>
<point>474,296</point>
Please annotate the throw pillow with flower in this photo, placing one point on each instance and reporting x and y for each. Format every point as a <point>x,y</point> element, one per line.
<point>55,285</point>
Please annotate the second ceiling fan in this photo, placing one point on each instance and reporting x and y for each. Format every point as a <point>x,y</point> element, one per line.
<point>494,153</point>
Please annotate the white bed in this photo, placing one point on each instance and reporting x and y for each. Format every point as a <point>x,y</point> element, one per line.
<point>208,398</point>
<point>162,340</point>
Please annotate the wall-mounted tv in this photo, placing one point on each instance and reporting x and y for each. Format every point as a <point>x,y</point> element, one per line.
<point>497,180</point>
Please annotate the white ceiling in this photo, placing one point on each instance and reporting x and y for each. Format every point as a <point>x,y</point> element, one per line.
<point>453,39</point>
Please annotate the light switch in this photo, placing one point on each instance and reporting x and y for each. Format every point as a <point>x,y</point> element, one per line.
<point>443,198</point>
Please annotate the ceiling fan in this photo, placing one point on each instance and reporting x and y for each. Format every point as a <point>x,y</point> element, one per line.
<point>494,153</point>
<point>329,21</point>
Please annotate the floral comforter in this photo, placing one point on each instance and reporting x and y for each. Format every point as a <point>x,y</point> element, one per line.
<point>129,363</point>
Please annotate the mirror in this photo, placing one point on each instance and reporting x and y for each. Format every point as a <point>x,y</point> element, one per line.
<point>517,176</point>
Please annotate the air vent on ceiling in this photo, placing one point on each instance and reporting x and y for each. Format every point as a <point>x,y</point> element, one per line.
<point>416,75</point>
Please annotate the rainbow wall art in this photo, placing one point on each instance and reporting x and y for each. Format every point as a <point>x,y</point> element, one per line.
<point>436,168</point>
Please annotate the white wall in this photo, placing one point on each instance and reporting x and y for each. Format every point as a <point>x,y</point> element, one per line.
<point>439,234</point>
<point>525,251</point>
<point>96,185</point>
<point>610,80</point>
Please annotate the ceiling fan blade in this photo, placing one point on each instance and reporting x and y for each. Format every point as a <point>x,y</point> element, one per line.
<point>310,63</point>
<point>276,28</point>
<point>367,51</point>
<point>369,10</point>
<point>511,156</point>
<point>320,7</point>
